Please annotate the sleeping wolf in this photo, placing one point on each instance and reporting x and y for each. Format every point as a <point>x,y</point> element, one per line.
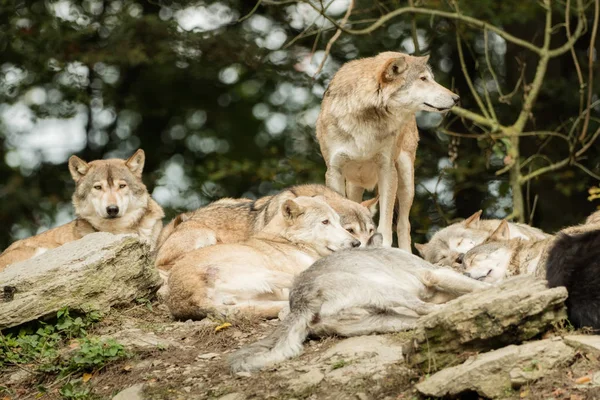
<point>236,220</point>
<point>368,133</point>
<point>253,277</point>
<point>109,197</point>
<point>355,293</point>
<point>448,245</point>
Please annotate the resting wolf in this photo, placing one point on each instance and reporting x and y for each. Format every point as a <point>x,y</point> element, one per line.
<point>109,197</point>
<point>236,220</point>
<point>366,284</point>
<point>254,277</point>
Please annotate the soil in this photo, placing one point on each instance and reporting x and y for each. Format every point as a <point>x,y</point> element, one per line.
<point>187,360</point>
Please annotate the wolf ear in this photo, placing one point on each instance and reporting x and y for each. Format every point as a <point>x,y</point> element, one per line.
<point>420,248</point>
<point>291,210</point>
<point>501,233</point>
<point>135,163</point>
<point>376,240</point>
<point>371,205</point>
<point>78,168</point>
<point>425,59</point>
<point>473,220</point>
<point>393,69</point>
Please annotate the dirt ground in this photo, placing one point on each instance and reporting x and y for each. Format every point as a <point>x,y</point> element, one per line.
<point>187,360</point>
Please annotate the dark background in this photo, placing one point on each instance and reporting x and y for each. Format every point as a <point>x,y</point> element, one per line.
<point>224,108</point>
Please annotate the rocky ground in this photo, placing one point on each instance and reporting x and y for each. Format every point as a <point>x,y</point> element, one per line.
<point>509,342</point>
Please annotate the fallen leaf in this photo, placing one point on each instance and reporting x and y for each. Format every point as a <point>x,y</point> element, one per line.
<point>583,379</point>
<point>576,397</point>
<point>127,368</point>
<point>524,393</point>
<point>86,377</point>
<point>222,326</point>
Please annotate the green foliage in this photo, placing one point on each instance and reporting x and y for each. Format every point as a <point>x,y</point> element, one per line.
<point>75,390</point>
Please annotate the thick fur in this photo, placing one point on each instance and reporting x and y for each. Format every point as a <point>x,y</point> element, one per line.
<point>449,245</point>
<point>254,277</point>
<point>109,197</point>
<point>356,292</point>
<point>594,218</point>
<point>235,220</point>
<point>574,262</point>
<point>368,134</point>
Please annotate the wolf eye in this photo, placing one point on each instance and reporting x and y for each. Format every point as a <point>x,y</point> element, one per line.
<point>371,231</point>
<point>97,187</point>
<point>350,230</point>
<point>423,78</point>
<point>325,222</point>
<point>122,185</point>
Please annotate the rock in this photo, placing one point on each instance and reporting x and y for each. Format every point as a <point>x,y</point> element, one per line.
<point>93,273</point>
<point>360,355</point>
<point>19,377</point>
<point>512,312</point>
<point>207,356</point>
<point>304,381</point>
<point>233,396</point>
<point>587,343</point>
<point>492,374</point>
<point>136,338</point>
<point>134,392</point>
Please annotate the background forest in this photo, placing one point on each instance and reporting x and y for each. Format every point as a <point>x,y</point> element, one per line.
<point>223,97</point>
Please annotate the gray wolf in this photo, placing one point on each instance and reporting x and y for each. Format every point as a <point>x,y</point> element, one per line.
<point>368,285</point>
<point>368,133</point>
<point>235,220</point>
<point>253,278</point>
<point>448,245</point>
<point>594,218</point>
<point>574,262</point>
<point>109,197</point>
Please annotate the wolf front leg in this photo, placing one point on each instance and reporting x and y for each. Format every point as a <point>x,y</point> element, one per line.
<point>387,187</point>
<point>334,179</point>
<point>405,194</point>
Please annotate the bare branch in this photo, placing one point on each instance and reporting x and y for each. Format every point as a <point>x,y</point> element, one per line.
<point>590,82</point>
<point>335,37</point>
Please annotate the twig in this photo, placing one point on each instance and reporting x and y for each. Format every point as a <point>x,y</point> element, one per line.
<point>335,37</point>
<point>590,82</point>
<point>489,63</point>
<point>245,17</point>
<point>413,30</point>
<point>575,61</point>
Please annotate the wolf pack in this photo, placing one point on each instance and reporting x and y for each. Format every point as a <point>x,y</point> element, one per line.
<point>312,255</point>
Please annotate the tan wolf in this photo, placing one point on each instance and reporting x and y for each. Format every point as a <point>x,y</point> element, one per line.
<point>356,292</point>
<point>448,245</point>
<point>368,133</point>
<point>109,197</point>
<point>236,220</point>
<point>594,218</point>
<point>253,277</point>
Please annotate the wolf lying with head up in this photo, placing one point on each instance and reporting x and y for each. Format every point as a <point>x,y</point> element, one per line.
<point>368,133</point>
<point>448,245</point>
<point>253,278</point>
<point>109,197</point>
<point>236,220</point>
<point>356,292</point>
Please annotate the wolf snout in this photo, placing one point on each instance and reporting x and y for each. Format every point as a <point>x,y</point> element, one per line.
<point>355,243</point>
<point>112,211</point>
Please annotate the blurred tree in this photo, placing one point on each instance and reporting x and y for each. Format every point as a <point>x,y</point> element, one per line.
<point>221,96</point>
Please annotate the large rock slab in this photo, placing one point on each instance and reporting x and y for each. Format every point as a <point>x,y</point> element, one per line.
<point>93,273</point>
<point>586,343</point>
<point>510,313</point>
<point>494,374</point>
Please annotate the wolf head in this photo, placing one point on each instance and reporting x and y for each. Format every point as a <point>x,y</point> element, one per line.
<point>311,222</point>
<point>407,83</point>
<point>356,218</point>
<point>448,245</point>
<point>108,189</point>
<point>490,261</point>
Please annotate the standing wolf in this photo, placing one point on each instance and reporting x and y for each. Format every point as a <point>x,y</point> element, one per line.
<point>254,277</point>
<point>236,220</point>
<point>355,293</point>
<point>109,197</point>
<point>368,133</point>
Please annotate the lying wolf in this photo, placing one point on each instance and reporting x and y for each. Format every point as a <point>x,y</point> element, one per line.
<point>368,133</point>
<point>236,220</point>
<point>365,284</point>
<point>109,197</point>
<point>254,277</point>
<point>448,245</point>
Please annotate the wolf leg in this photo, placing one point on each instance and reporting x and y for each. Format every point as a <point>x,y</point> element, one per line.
<point>447,280</point>
<point>405,195</point>
<point>387,322</point>
<point>387,187</point>
<point>354,192</point>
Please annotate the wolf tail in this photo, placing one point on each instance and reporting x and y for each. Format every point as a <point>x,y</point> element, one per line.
<point>574,262</point>
<point>283,343</point>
